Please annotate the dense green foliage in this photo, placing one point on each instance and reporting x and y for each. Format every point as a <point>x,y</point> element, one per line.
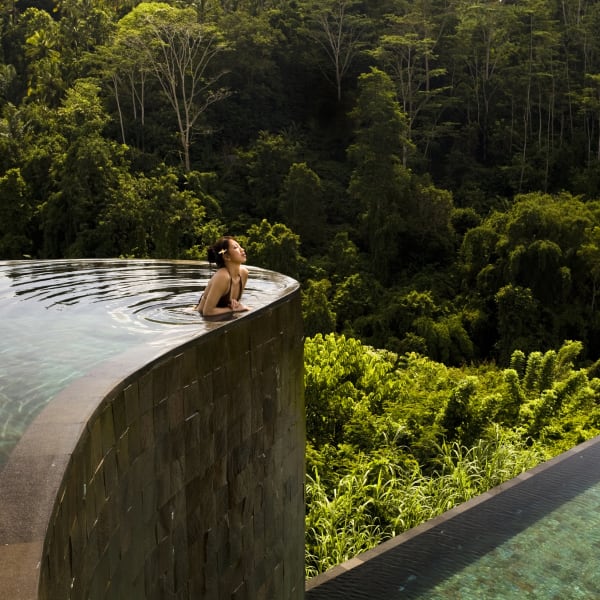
<point>408,163</point>
<point>429,171</point>
<point>395,440</point>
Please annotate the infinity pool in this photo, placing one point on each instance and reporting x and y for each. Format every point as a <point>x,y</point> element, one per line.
<point>534,537</point>
<point>61,318</point>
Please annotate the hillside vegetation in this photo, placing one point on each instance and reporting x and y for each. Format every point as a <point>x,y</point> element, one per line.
<point>396,440</point>
<point>428,171</point>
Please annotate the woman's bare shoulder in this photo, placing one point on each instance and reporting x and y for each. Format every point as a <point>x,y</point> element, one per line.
<point>221,275</point>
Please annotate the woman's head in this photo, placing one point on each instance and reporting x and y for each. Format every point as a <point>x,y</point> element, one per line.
<point>220,251</point>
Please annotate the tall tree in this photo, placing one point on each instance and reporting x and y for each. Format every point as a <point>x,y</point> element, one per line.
<point>274,247</point>
<point>483,48</point>
<point>407,52</point>
<point>85,171</point>
<point>266,164</point>
<point>174,218</point>
<point>379,182</point>
<point>178,51</point>
<point>84,25</point>
<point>590,102</point>
<point>302,207</point>
<point>16,212</point>
<point>543,81</point>
<point>338,29</point>
<point>261,100</point>
<point>590,252</point>
<point>44,58</point>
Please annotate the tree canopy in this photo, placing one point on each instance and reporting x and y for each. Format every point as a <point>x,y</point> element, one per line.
<point>430,173</point>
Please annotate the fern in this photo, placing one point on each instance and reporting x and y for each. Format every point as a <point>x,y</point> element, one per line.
<point>518,362</point>
<point>547,370</point>
<point>531,379</point>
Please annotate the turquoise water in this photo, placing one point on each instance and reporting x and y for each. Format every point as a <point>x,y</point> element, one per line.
<point>61,318</point>
<point>554,559</point>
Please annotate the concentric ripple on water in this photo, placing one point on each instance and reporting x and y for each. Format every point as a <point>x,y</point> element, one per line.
<point>61,318</point>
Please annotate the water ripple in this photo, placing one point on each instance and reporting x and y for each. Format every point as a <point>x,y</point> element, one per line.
<point>61,318</point>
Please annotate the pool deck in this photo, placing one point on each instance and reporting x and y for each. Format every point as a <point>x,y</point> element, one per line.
<point>415,561</point>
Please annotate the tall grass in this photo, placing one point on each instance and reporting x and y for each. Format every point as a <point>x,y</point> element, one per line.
<point>377,500</point>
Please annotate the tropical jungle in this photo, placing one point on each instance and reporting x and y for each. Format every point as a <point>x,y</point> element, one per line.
<point>429,171</point>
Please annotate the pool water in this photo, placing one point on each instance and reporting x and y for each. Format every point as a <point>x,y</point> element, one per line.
<point>554,559</point>
<point>61,318</point>
<point>534,537</point>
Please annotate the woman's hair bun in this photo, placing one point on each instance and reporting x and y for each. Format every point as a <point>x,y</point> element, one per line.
<point>218,250</point>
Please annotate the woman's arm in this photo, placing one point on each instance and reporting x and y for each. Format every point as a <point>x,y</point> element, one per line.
<point>237,305</point>
<point>217,287</point>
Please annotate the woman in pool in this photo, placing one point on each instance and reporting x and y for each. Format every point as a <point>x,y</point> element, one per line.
<point>224,290</point>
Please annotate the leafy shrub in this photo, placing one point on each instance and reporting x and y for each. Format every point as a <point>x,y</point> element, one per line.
<point>396,440</point>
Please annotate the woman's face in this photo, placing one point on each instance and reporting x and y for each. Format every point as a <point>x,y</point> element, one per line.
<point>235,252</point>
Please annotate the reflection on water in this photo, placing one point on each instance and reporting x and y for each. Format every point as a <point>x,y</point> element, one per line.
<point>61,318</point>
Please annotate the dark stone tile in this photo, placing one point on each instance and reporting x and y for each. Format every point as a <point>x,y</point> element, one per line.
<point>119,415</point>
<point>108,428</point>
<point>132,403</point>
<point>146,392</point>
<point>110,471</point>
<point>175,409</point>
<point>160,418</point>
<point>191,399</point>
<point>180,482</point>
<point>147,440</point>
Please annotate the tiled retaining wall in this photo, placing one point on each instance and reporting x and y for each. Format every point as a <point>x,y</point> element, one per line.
<point>183,481</point>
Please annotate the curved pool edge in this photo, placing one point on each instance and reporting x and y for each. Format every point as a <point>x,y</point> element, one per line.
<point>159,460</point>
<point>61,318</point>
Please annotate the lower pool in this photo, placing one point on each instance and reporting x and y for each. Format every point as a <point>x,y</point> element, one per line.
<point>60,318</point>
<point>535,536</point>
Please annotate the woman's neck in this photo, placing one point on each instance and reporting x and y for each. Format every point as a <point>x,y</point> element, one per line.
<point>233,269</point>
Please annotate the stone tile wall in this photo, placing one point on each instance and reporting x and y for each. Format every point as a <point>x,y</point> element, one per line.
<point>184,481</point>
